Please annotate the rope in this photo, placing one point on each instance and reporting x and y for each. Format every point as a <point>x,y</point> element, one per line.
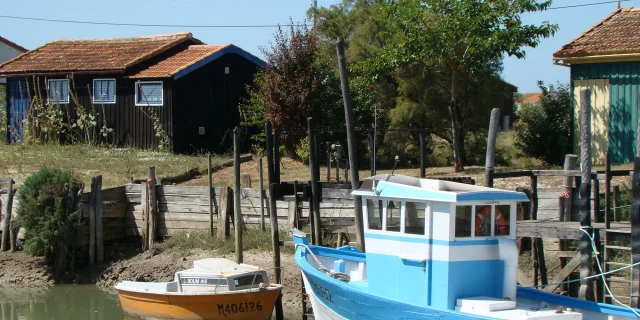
<point>601,274</point>
<point>336,275</point>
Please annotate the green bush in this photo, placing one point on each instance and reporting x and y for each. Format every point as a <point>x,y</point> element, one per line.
<point>302,149</point>
<point>544,127</point>
<point>42,210</point>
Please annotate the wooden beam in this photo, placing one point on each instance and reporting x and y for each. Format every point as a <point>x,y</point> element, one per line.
<point>237,210</point>
<point>512,174</point>
<point>225,210</point>
<point>564,273</point>
<point>99,224</point>
<point>7,217</point>
<point>489,166</point>
<point>314,184</point>
<point>586,285</point>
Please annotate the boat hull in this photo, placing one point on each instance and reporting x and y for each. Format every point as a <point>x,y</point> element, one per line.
<point>231,306</point>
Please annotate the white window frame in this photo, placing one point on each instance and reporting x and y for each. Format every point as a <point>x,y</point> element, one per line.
<point>49,89</point>
<point>115,92</point>
<point>137,87</point>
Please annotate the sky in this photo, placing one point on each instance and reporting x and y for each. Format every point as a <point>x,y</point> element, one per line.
<point>523,73</point>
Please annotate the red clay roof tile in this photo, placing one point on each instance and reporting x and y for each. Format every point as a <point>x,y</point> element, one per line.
<point>616,34</point>
<point>168,67</point>
<point>114,54</point>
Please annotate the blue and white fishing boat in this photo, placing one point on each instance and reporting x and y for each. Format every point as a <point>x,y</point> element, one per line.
<point>434,250</point>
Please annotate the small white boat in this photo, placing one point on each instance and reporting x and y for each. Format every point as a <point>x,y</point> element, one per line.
<point>213,289</point>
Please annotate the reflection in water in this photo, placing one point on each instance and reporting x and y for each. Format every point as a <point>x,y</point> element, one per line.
<point>58,302</point>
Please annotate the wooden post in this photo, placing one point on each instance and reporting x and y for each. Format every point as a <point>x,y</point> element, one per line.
<point>423,169</point>
<point>261,187</point>
<point>489,166</point>
<point>372,154</point>
<point>617,201</point>
<point>339,241</point>
<point>635,235</point>
<point>236,194</point>
<point>7,217</point>
<point>153,206</point>
<point>311,221</point>
<point>225,210</point>
<point>92,222</point>
<point>275,243</point>
<point>597,214</point>
<point>270,171</point>
<point>351,143</point>
<point>144,203</point>
<point>276,155</point>
<point>586,285</point>
<point>599,285</point>
<point>314,185</point>
<point>210,186</point>
<point>570,161</point>
<point>296,206</point>
<point>97,193</point>
<point>607,225</point>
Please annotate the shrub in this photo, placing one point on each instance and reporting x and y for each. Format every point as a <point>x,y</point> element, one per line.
<point>302,149</point>
<point>543,129</point>
<point>42,211</point>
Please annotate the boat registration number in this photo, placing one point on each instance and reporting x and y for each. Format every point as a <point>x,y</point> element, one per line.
<point>231,308</point>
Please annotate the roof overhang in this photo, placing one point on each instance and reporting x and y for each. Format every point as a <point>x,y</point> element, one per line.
<point>60,73</point>
<point>625,57</point>
<point>227,50</point>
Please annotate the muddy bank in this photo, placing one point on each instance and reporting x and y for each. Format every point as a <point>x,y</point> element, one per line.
<point>22,269</point>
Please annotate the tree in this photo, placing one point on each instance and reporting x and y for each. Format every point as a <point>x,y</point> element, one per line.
<point>544,127</point>
<point>48,217</point>
<point>298,84</point>
<point>459,37</point>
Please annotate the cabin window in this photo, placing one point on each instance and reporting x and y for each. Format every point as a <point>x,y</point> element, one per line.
<point>483,221</point>
<point>463,221</point>
<point>59,91</point>
<point>149,93</point>
<point>393,216</point>
<point>247,280</point>
<point>414,218</point>
<point>374,214</point>
<point>104,90</point>
<point>502,220</point>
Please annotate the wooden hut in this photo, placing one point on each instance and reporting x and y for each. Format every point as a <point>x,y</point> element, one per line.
<point>606,59</point>
<point>191,89</point>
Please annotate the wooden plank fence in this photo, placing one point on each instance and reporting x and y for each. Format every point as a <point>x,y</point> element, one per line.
<point>184,208</point>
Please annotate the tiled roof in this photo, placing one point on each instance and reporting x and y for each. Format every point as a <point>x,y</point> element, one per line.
<point>13,45</point>
<point>530,97</point>
<point>170,66</point>
<point>616,34</point>
<point>92,55</point>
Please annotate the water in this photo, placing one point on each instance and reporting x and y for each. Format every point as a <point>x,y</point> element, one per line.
<point>60,302</point>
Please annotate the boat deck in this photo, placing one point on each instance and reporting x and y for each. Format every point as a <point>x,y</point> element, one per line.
<point>619,231</point>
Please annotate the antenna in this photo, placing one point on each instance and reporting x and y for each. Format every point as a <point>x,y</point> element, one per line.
<point>397,158</point>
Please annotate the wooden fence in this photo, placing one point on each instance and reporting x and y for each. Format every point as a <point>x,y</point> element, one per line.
<point>186,208</point>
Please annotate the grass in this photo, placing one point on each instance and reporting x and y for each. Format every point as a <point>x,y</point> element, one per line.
<point>251,239</point>
<point>116,165</point>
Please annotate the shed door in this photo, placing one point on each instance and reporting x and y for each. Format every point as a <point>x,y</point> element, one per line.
<point>600,106</point>
<point>18,108</point>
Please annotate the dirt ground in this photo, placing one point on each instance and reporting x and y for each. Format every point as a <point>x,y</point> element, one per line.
<point>20,268</point>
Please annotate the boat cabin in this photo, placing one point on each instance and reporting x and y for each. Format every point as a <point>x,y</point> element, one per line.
<point>455,240</point>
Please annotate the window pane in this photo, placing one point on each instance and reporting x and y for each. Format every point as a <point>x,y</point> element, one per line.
<point>414,213</point>
<point>374,212</point>
<point>59,91</point>
<point>483,221</point>
<point>503,215</point>
<point>104,91</point>
<point>393,216</point>
<point>150,93</point>
<point>463,221</point>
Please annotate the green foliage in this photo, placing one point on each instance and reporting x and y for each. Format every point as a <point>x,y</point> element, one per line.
<point>302,149</point>
<point>299,84</point>
<point>544,127</point>
<point>164,139</point>
<point>42,211</point>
